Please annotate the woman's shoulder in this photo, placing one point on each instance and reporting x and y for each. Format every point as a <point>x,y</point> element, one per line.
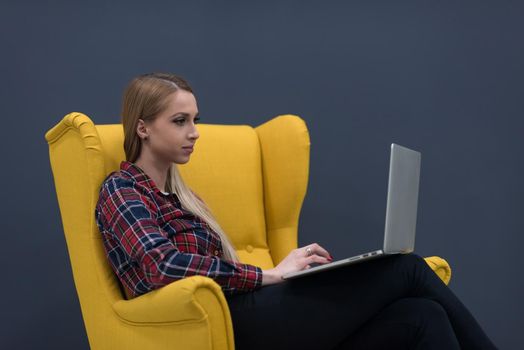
<point>118,179</point>
<point>127,184</point>
<point>122,183</point>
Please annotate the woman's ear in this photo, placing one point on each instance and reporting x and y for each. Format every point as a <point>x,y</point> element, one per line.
<point>141,130</point>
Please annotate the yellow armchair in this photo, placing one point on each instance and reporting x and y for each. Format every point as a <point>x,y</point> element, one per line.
<point>254,180</point>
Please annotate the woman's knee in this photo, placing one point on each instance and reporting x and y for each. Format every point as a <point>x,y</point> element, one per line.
<point>412,259</point>
<point>414,265</point>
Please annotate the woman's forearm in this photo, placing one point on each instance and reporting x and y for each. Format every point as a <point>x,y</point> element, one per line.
<point>271,276</point>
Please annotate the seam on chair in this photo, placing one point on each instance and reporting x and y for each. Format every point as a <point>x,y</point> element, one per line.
<point>163,323</point>
<point>262,168</point>
<point>206,316</point>
<point>222,306</point>
<point>56,137</point>
<point>281,228</point>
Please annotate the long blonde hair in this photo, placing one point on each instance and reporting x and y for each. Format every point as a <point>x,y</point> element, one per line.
<point>145,98</point>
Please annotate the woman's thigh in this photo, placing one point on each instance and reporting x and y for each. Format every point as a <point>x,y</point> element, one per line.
<point>320,310</point>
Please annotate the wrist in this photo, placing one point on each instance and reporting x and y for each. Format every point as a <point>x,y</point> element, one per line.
<point>271,276</point>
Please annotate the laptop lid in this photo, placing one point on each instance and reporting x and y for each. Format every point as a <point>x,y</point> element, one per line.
<point>402,202</point>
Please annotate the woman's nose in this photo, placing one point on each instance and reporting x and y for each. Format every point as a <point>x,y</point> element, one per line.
<point>194,133</point>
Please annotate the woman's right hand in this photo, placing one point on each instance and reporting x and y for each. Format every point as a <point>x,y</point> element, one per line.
<point>297,260</point>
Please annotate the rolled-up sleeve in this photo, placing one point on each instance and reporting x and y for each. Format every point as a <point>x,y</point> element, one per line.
<point>130,217</point>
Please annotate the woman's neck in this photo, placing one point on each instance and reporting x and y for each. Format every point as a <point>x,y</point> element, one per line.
<point>155,170</point>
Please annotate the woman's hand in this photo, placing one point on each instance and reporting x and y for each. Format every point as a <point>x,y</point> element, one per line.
<point>299,259</point>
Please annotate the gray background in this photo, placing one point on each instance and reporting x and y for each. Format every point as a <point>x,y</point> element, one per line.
<point>443,77</point>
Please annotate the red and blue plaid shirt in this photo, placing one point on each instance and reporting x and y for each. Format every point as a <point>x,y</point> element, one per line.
<point>151,241</point>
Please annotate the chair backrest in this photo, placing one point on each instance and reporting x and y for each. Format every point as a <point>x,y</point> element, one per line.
<point>254,180</point>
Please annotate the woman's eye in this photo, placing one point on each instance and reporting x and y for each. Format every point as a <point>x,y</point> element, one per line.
<point>180,121</point>
<point>197,120</point>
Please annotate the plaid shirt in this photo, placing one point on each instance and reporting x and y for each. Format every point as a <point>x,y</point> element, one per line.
<point>151,241</point>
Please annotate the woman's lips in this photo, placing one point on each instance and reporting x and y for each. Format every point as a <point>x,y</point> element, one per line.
<point>188,149</point>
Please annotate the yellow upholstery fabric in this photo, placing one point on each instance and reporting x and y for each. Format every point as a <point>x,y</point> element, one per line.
<point>254,180</point>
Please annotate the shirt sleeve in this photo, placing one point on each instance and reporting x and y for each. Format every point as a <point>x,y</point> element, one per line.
<point>131,218</point>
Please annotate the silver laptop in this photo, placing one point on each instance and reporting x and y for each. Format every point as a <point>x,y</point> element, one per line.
<point>401,211</point>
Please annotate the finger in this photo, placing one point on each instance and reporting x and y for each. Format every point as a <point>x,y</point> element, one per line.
<point>317,249</point>
<point>308,250</point>
<point>317,259</point>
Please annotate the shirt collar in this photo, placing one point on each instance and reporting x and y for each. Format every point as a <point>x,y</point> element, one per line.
<point>140,176</point>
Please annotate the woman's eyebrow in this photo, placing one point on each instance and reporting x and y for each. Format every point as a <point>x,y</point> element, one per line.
<point>183,114</point>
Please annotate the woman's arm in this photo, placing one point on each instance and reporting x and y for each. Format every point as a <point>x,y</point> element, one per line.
<point>128,216</point>
<point>270,277</point>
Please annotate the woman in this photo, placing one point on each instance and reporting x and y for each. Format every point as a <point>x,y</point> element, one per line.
<point>157,231</point>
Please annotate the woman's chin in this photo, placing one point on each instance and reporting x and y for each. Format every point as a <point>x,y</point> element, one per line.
<point>182,160</point>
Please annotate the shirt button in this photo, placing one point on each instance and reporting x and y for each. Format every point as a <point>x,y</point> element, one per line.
<point>249,248</point>
<point>216,252</point>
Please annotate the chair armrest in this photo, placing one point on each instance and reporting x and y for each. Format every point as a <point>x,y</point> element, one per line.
<point>188,300</point>
<point>441,268</point>
<point>192,299</point>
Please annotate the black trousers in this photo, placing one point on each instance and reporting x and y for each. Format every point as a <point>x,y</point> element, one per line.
<point>396,302</point>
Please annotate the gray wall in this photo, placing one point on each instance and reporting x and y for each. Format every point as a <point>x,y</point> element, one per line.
<point>443,77</point>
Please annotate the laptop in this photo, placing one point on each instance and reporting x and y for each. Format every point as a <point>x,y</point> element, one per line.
<point>401,212</point>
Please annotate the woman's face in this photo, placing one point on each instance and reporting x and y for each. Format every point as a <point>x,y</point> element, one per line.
<point>172,135</point>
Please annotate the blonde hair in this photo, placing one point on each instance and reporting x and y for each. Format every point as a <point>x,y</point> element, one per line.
<point>144,98</point>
